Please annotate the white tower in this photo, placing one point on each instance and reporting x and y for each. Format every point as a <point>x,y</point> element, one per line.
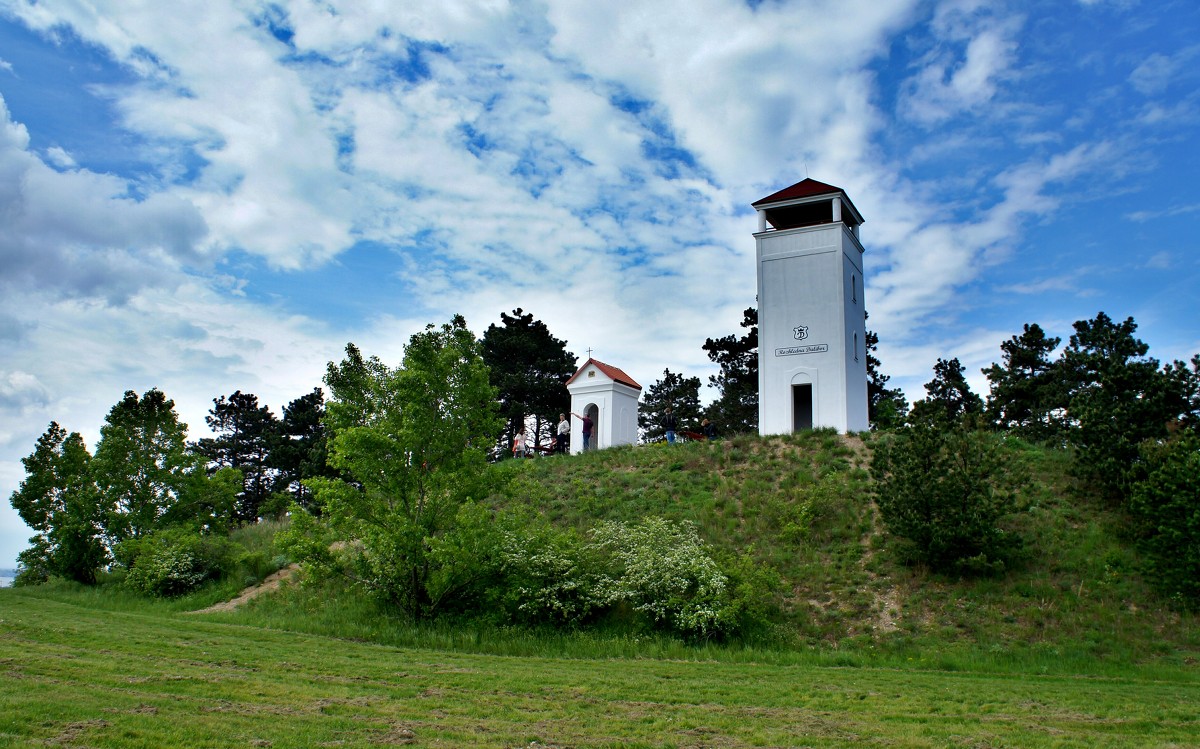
<point>812,360</point>
<point>608,397</point>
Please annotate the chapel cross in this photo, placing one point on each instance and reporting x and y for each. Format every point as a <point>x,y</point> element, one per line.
<point>589,352</point>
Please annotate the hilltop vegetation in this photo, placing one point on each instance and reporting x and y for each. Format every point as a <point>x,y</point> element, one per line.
<point>947,533</point>
<point>801,507</point>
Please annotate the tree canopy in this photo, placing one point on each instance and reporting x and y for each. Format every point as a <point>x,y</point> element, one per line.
<point>245,434</point>
<point>1027,396</point>
<point>411,442</point>
<point>529,368</point>
<point>736,408</point>
<point>59,500</point>
<point>681,393</point>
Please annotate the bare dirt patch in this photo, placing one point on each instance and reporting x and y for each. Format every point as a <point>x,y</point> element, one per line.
<point>272,583</point>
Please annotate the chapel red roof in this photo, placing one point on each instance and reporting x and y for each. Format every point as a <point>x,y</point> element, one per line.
<point>616,374</point>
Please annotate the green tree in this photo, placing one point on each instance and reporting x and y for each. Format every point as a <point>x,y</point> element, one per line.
<point>735,411</point>
<point>245,433</point>
<point>412,444</point>
<point>301,447</point>
<point>886,407</point>
<point>947,490</point>
<point>681,393</point>
<point>950,398</point>
<point>1185,381</point>
<point>59,500</point>
<point>1027,394</point>
<point>1166,509</point>
<point>1118,399</point>
<point>529,369</point>
<point>143,468</point>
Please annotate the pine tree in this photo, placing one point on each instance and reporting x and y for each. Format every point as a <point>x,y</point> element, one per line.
<point>886,407</point>
<point>681,393</point>
<point>245,433</point>
<point>1027,395</point>
<point>1118,399</point>
<point>950,398</point>
<point>300,450</point>
<point>736,409</point>
<point>529,368</point>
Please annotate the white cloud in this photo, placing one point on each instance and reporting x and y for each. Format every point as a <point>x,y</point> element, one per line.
<point>81,232</point>
<point>974,53</point>
<point>60,158</point>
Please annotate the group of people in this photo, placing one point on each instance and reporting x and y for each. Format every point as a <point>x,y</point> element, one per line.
<point>562,437</point>
<point>670,425</point>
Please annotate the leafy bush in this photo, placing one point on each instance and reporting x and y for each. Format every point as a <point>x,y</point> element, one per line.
<point>175,561</point>
<point>663,570</point>
<point>946,492</point>
<point>549,575</point>
<point>1166,507</point>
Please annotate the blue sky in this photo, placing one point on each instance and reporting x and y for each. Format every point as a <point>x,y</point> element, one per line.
<point>210,197</point>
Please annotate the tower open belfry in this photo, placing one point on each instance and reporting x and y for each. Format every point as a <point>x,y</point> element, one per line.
<point>812,362</point>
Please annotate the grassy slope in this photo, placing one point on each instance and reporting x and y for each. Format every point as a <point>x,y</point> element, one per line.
<point>76,675</point>
<point>1070,650</point>
<point>803,504</point>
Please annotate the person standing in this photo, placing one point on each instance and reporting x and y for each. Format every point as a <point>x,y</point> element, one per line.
<point>709,429</point>
<point>670,424</point>
<point>564,434</point>
<point>587,431</point>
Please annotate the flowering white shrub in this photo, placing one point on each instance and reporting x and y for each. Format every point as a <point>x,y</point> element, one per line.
<point>664,570</point>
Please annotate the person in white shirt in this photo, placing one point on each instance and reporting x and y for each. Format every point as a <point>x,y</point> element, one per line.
<point>564,434</point>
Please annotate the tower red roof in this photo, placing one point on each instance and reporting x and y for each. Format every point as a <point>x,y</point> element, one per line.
<point>805,188</point>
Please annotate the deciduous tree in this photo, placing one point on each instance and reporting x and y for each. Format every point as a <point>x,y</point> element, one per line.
<point>142,466</point>
<point>59,500</point>
<point>411,442</point>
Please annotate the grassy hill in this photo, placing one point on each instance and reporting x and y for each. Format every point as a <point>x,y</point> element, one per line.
<point>802,506</point>
<point>802,503</point>
<point>1069,649</point>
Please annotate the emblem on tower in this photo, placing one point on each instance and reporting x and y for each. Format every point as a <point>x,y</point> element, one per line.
<point>801,332</point>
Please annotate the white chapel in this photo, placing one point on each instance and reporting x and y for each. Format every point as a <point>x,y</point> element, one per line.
<point>608,397</point>
<point>812,360</point>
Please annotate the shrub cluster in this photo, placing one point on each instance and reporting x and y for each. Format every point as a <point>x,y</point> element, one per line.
<point>175,561</point>
<point>514,567</point>
<point>946,492</point>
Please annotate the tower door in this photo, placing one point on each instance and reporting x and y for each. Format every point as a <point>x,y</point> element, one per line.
<point>802,407</point>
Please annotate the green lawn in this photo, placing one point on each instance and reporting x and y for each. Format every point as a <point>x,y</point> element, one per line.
<point>75,675</point>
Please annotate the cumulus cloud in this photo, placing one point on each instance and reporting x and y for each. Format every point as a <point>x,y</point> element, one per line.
<point>80,232</point>
<point>973,53</point>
